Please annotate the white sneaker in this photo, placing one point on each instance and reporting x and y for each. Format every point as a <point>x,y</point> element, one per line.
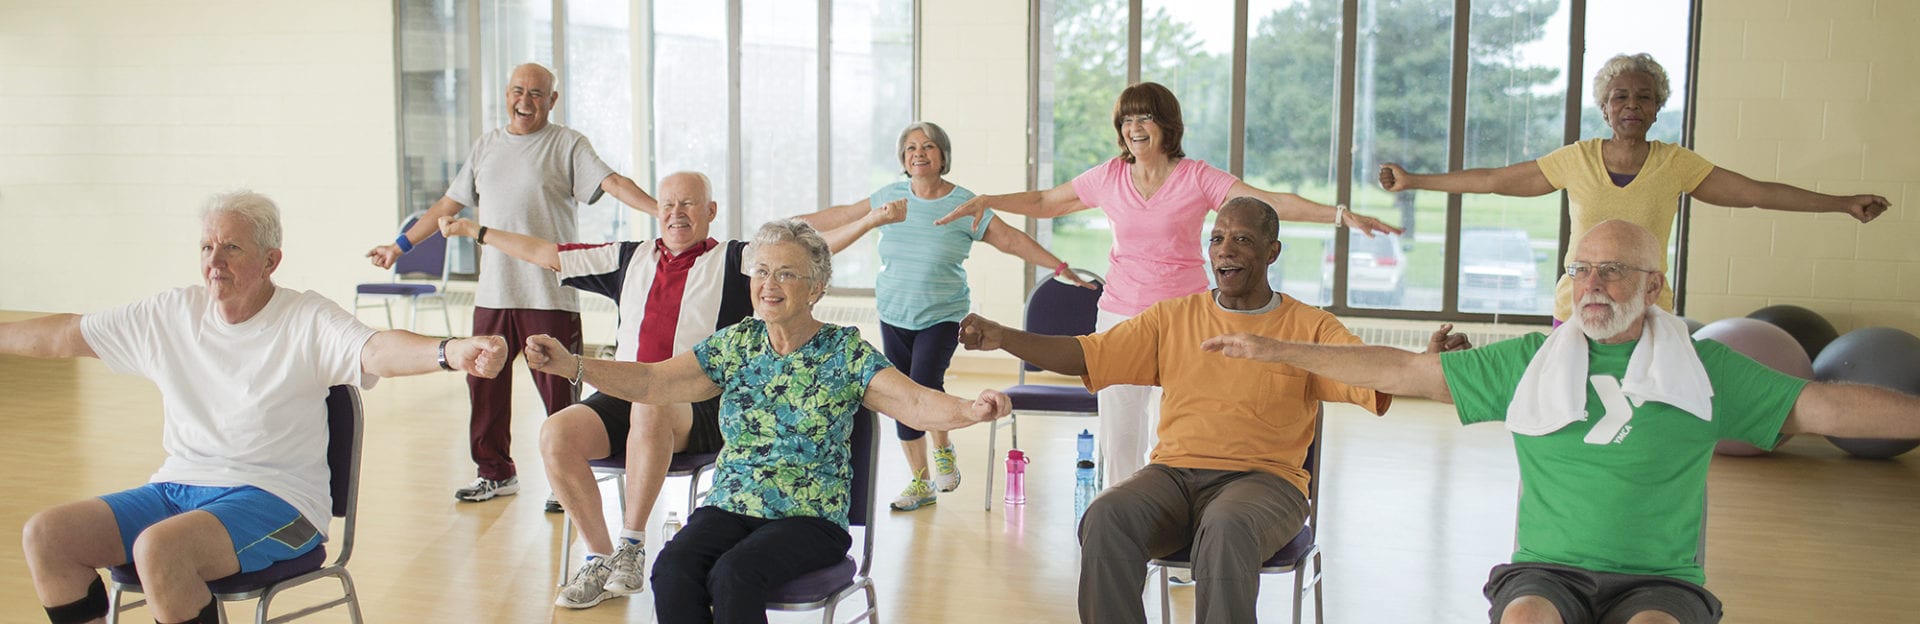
<point>483,488</point>
<point>946,474</point>
<point>587,587</point>
<point>918,494</point>
<point>625,575</point>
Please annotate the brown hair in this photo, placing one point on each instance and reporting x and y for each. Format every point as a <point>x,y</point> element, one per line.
<point>1150,98</point>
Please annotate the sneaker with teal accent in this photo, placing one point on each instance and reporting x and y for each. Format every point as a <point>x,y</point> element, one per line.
<point>918,494</point>
<point>946,474</point>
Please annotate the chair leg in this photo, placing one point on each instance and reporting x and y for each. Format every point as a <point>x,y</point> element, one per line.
<point>993,441</point>
<point>566,547</point>
<point>113,604</point>
<point>413,310</point>
<point>353,597</point>
<point>1319,585</point>
<point>1166,598</point>
<point>873,604</point>
<point>446,316</point>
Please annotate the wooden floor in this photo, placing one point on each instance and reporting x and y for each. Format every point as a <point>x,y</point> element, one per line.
<point>1416,510</point>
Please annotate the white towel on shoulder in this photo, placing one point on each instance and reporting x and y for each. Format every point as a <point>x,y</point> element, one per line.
<point>1664,367</point>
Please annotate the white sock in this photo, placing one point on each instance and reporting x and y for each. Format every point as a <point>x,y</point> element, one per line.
<point>592,557</point>
<point>633,536</point>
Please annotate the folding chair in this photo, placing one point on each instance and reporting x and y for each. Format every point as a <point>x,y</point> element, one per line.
<point>344,423</point>
<point>1291,558</point>
<point>428,259</point>
<point>825,588</point>
<point>615,469</point>
<point>1056,308</point>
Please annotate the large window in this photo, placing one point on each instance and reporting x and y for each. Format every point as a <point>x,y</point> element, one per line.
<point>733,89</point>
<point>1315,115</point>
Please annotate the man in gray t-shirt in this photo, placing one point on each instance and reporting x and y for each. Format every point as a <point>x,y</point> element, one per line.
<point>525,177</point>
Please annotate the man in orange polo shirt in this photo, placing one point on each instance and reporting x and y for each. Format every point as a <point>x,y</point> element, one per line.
<point>1227,477</point>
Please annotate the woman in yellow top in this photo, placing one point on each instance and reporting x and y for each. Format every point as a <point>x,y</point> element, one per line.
<point>1627,177</point>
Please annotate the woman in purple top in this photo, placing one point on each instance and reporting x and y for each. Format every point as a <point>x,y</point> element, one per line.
<point>1157,201</point>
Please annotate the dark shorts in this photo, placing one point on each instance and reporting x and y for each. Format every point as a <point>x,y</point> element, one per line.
<point>263,528</point>
<point>617,415</point>
<point>1588,597</point>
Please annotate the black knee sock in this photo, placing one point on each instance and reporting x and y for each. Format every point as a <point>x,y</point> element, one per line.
<point>92,607</point>
<point>209,614</point>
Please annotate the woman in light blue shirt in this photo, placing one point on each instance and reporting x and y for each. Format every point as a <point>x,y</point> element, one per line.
<point>921,291</point>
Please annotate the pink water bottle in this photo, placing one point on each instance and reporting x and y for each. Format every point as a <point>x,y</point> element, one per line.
<point>1016,477</point>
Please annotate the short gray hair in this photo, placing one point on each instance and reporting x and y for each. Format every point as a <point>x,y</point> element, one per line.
<point>937,135</point>
<point>1623,63</point>
<point>706,184</point>
<point>257,209</point>
<point>799,233</point>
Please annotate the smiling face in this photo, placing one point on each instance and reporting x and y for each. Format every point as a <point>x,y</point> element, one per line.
<point>232,263</point>
<point>1241,249</point>
<point>530,98</point>
<point>921,156</point>
<point>686,210</point>
<point>784,286</point>
<point>1143,136</point>
<point>1632,104</point>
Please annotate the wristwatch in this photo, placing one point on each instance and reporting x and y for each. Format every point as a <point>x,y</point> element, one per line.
<point>443,354</point>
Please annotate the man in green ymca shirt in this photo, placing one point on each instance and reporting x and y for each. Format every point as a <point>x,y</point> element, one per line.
<point>1615,417</point>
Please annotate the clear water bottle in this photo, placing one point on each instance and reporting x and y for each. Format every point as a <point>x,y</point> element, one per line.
<point>1084,489</point>
<point>1016,477</point>
<point>670,526</point>
<point>1084,443</point>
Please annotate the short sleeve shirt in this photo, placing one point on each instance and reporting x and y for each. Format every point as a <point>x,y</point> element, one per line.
<point>787,419</point>
<point>1633,504</point>
<point>1156,241</point>
<point>1650,200</point>
<point>528,184</point>
<point>921,281</point>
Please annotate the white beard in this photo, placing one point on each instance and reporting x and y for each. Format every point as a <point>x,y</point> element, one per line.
<point>1619,316</point>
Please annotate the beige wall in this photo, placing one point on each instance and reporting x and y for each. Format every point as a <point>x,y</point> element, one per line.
<point>122,116</point>
<point>1819,94</point>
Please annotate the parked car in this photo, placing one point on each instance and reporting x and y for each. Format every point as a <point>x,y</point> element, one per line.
<point>1376,270</point>
<point>1500,272</point>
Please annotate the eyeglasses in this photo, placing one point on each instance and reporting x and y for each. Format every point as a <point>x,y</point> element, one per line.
<point>784,277</point>
<point>1607,271</point>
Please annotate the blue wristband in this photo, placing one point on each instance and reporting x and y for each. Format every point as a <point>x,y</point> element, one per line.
<point>404,244</point>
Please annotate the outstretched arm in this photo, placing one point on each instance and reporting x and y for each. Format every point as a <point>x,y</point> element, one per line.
<point>894,394</point>
<point>1854,411</point>
<point>1047,204</point>
<point>622,188</point>
<point>396,352</point>
<point>531,249</point>
<point>837,217</point>
<point>1060,354</point>
<point>1016,243</point>
<point>50,336</point>
<point>677,380</point>
<point>1291,207</point>
<point>1385,369</point>
<point>1515,180</point>
<point>385,255</point>
<point>843,236</point>
<point>1726,188</point>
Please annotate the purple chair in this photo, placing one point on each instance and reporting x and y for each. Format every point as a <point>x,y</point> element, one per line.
<point>825,588</point>
<point>1056,308</point>
<point>615,468</point>
<point>428,259</point>
<point>344,423</point>
<point>1292,558</point>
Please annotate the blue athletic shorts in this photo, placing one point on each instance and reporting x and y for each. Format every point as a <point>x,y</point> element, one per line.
<point>264,529</point>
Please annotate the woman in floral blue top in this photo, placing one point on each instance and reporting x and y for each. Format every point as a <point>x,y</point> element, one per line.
<point>789,386</point>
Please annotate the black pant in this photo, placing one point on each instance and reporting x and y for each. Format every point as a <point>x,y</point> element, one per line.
<point>723,566</point>
<point>923,355</point>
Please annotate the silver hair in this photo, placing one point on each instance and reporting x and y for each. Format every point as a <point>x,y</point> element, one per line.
<point>1623,63</point>
<point>706,184</point>
<point>257,209</point>
<point>934,132</point>
<point>799,233</point>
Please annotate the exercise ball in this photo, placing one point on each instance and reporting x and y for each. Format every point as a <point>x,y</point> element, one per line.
<point>1875,356</point>
<point>1769,345</point>
<point>1812,331</point>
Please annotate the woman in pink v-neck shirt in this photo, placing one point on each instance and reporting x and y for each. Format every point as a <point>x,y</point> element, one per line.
<point>1628,177</point>
<point>1157,200</point>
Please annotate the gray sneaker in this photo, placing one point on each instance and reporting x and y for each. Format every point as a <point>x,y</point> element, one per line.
<point>626,565</point>
<point>483,488</point>
<point>587,588</point>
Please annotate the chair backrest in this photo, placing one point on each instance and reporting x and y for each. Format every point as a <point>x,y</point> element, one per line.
<point>345,419</point>
<point>1059,308</point>
<point>429,256</point>
<point>866,453</point>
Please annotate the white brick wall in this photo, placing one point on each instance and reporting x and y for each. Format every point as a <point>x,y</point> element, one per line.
<point>1815,93</point>
<point>122,116</point>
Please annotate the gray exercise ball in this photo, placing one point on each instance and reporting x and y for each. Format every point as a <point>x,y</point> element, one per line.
<point>1875,356</point>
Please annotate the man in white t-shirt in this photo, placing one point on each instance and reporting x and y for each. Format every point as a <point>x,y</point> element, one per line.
<point>244,368</point>
<point>528,177</point>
